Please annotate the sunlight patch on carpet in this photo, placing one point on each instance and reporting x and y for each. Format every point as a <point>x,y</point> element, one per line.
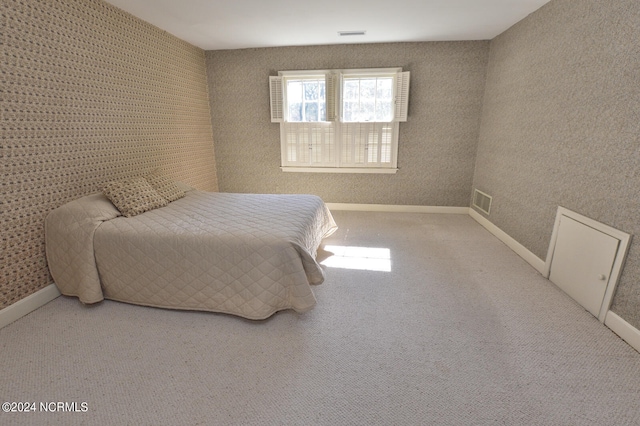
<point>363,258</point>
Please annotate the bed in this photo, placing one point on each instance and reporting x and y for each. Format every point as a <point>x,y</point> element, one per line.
<point>249,255</point>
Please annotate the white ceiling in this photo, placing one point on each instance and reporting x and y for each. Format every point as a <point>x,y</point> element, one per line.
<point>237,24</point>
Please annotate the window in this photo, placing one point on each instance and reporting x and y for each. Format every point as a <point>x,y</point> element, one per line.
<point>366,99</point>
<point>306,99</point>
<point>339,120</point>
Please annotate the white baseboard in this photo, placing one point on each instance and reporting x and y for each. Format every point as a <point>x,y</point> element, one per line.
<point>626,331</point>
<point>537,263</point>
<point>28,304</point>
<point>397,209</point>
<point>520,250</point>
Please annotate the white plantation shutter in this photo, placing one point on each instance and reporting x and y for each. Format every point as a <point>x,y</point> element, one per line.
<point>330,96</point>
<point>368,144</point>
<point>323,145</point>
<point>402,96</point>
<point>308,144</point>
<point>296,143</point>
<point>354,145</point>
<point>276,99</point>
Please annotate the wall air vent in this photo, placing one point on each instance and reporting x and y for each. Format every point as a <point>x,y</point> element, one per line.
<point>482,201</point>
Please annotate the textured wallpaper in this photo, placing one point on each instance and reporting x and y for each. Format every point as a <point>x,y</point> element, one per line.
<point>437,144</point>
<point>560,126</point>
<point>88,94</point>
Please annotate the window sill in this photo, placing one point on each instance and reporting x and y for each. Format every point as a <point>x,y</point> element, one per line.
<point>339,170</point>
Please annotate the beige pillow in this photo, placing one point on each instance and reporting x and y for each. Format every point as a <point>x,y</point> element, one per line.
<point>133,196</point>
<point>165,186</point>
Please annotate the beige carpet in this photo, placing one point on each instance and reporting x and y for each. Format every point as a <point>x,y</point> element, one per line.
<point>460,332</point>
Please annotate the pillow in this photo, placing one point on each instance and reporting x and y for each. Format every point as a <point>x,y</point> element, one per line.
<point>133,196</point>
<point>184,186</point>
<point>164,185</point>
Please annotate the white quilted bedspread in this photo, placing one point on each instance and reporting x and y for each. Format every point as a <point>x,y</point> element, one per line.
<point>244,254</point>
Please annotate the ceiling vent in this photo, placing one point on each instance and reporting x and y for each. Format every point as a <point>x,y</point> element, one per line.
<point>482,201</point>
<point>351,33</point>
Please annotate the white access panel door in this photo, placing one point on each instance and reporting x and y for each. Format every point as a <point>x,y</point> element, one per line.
<point>582,262</point>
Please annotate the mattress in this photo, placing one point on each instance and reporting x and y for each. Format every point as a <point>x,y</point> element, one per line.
<point>243,254</point>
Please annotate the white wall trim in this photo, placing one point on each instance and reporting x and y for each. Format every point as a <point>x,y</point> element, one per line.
<point>626,331</point>
<point>292,169</point>
<point>537,263</point>
<point>27,305</point>
<point>397,209</point>
<point>533,260</point>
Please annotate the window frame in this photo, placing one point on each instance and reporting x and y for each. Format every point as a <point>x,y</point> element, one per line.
<point>360,76</point>
<point>334,88</point>
<point>310,77</point>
